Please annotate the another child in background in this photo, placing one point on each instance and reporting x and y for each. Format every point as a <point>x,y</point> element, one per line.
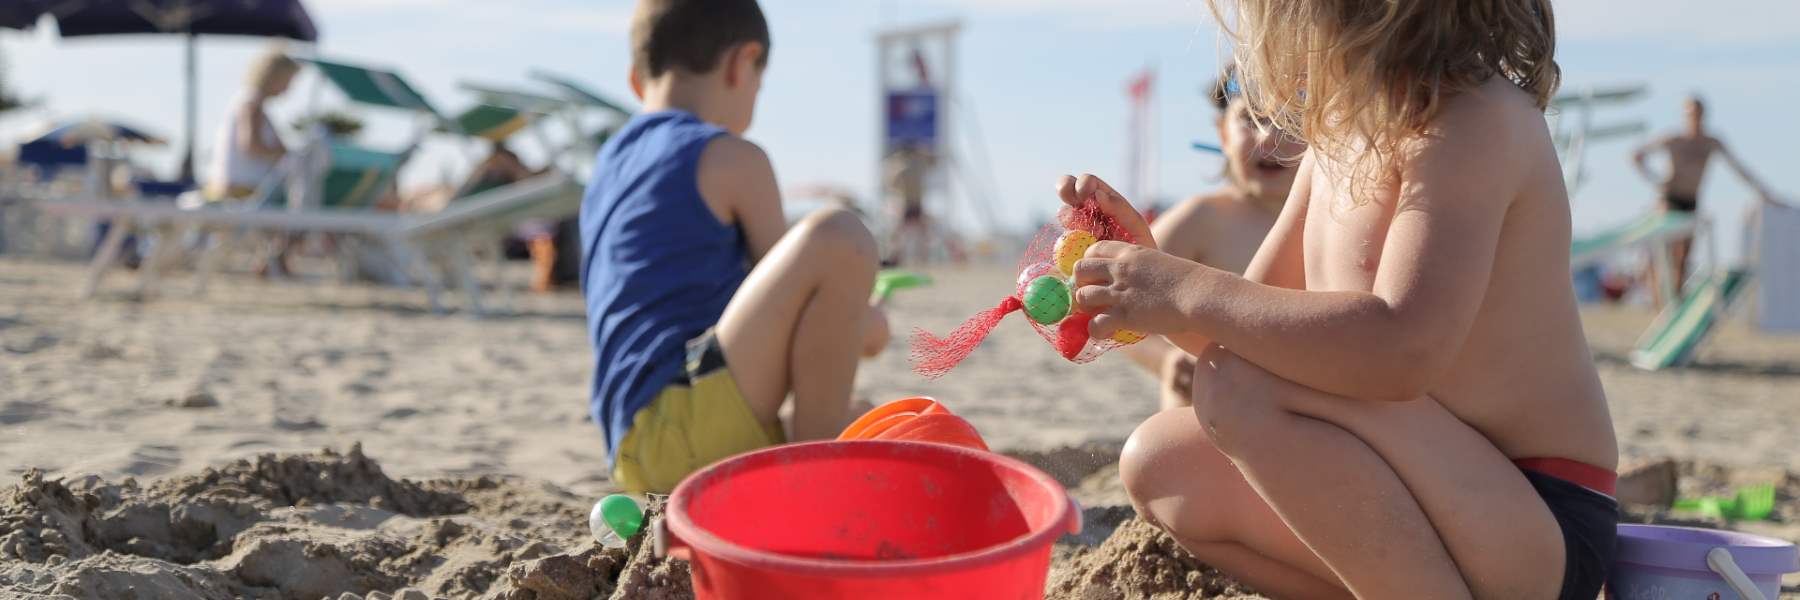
<point>1396,400</point>
<point>1223,228</point>
<point>705,309</point>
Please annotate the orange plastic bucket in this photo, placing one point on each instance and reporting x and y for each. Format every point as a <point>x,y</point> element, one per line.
<point>918,419</point>
<point>867,520</point>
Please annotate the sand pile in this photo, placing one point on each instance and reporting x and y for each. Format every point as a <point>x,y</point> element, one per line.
<point>1139,561</point>
<point>309,526</point>
<point>334,525</point>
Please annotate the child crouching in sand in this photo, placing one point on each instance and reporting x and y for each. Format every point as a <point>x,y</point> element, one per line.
<point>705,309</point>
<point>1396,400</point>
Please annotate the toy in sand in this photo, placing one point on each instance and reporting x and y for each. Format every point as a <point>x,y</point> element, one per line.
<point>1044,292</point>
<point>917,419</point>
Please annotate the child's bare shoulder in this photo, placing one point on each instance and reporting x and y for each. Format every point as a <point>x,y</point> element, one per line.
<point>1497,112</point>
<point>729,156</point>
<point>1203,207</point>
<point>734,174</point>
<point>1192,217</point>
<point>1495,127</point>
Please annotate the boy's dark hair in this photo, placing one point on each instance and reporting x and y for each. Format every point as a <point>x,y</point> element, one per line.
<point>692,35</point>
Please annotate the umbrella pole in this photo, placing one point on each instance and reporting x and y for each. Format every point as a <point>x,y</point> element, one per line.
<point>187,161</point>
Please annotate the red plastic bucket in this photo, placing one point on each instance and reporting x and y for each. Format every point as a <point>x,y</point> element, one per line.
<point>868,519</point>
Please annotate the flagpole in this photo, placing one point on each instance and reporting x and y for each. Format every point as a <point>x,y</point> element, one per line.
<point>187,160</point>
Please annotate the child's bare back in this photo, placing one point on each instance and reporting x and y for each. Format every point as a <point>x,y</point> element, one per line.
<point>1522,376</point>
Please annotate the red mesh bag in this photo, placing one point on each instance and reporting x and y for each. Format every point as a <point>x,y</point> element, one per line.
<point>933,356</point>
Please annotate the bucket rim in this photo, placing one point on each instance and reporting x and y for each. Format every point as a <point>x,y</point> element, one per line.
<point>1675,547</point>
<point>703,541</point>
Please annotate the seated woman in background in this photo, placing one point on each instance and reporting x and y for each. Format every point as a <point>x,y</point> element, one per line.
<point>248,148</point>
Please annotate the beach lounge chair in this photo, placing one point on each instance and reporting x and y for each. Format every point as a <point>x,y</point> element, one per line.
<point>1652,233</point>
<point>438,245</point>
<point>1675,335</point>
<point>328,187</point>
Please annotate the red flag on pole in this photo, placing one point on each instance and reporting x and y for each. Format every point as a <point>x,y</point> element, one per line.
<point>924,72</point>
<point>1139,87</point>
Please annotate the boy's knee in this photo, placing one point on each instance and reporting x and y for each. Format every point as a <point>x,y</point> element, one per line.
<point>841,231</point>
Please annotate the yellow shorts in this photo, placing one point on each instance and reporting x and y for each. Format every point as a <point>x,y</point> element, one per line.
<point>693,422</point>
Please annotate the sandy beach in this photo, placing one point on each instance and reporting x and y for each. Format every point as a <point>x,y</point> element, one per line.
<point>177,447</point>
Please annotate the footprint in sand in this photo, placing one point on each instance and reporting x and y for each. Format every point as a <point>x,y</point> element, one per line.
<point>297,424</point>
<point>151,460</point>
<point>29,346</point>
<point>20,411</point>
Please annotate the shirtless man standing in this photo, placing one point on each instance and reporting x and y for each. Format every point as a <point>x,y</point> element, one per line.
<point>1223,228</point>
<point>1689,151</point>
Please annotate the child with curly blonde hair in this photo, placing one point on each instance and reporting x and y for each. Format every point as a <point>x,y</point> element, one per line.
<point>1396,400</point>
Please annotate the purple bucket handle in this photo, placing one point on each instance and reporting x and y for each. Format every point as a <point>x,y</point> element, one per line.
<point>1720,561</point>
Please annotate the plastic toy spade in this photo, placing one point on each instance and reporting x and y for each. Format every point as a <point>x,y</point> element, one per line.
<point>889,281</point>
<point>1754,503</point>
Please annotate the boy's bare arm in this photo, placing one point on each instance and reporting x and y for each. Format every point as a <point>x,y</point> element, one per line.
<point>1762,191</point>
<point>737,179</point>
<point>1387,344</point>
<point>1642,154</point>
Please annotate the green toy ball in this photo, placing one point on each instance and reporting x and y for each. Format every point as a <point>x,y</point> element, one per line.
<point>620,513</point>
<point>1046,299</point>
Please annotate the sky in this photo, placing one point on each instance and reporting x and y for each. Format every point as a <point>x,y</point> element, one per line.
<point>1040,86</point>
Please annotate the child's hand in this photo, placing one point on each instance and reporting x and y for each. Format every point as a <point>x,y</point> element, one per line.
<point>1075,191</point>
<point>1132,287</point>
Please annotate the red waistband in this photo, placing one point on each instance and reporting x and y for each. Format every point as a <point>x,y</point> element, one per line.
<point>1599,479</point>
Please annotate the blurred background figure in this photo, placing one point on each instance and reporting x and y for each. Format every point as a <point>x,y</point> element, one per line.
<point>914,236</point>
<point>248,148</point>
<point>1689,152</point>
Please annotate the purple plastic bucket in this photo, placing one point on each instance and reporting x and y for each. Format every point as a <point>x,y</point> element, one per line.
<point>1656,562</point>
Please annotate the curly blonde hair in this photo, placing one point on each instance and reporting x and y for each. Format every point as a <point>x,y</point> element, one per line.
<point>1356,78</point>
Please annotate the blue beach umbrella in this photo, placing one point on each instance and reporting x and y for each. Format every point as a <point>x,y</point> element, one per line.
<point>187,18</point>
<point>79,133</point>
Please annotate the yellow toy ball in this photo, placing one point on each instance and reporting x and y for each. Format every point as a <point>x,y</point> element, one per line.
<point>1069,248</point>
<point>1127,337</point>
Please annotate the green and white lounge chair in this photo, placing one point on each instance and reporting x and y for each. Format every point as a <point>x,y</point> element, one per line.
<point>1676,334</point>
<point>1651,230</point>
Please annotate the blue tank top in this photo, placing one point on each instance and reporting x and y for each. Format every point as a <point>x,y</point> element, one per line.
<point>658,267</point>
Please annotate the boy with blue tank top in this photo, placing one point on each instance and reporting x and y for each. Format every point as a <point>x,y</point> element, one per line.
<point>706,310</point>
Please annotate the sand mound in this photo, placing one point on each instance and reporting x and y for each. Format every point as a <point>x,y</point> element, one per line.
<point>1139,561</point>
<point>333,525</point>
<point>308,526</point>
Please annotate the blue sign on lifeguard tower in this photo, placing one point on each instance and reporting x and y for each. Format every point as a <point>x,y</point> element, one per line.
<point>912,118</point>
